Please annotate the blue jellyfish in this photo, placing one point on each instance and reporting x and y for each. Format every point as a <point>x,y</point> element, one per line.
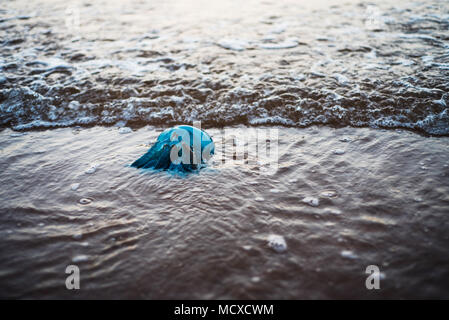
<point>181,149</point>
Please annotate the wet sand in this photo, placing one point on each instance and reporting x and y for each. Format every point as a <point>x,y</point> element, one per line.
<point>342,199</point>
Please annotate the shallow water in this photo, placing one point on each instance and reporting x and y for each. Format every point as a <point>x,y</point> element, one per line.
<point>137,234</point>
<point>306,224</point>
<point>292,63</point>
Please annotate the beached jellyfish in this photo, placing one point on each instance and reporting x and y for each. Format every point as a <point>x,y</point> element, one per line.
<point>182,149</point>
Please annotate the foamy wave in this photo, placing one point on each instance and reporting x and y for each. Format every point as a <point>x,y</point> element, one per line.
<point>266,69</point>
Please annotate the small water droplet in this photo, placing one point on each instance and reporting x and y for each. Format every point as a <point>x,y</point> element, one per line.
<point>85,201</point>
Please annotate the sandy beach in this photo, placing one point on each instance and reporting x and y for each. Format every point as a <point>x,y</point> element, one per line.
<point>330,121</point>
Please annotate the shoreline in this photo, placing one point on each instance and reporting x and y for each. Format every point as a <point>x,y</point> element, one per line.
<point>135,126</point>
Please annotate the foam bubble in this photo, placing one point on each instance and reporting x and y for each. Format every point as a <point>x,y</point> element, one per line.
<point>75,186</point>
<point>233,44</point>
<point>286,44</point>
<point>339,151</point>
<point>74,105</point>
<point>92,168</point>
<point>277,243</point>
<point>341,79</point>
<point>329,193</point>
<point>85,201</point>
<point>311,201</point>
<point>125,130</point>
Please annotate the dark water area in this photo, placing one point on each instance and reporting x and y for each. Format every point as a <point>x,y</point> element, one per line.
<point>340,200</point>
<point>291,63</point>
